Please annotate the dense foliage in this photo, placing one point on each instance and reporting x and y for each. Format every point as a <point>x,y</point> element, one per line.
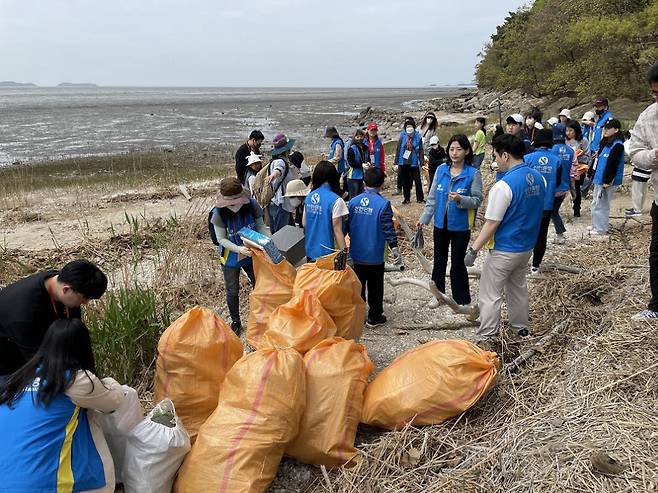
<point>573,47</point>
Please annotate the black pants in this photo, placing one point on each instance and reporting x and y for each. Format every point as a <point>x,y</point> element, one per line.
<point>372,281</point>
<point>457,242</point>
<point>432,171</point>
<point>354,187</point>
<point>399,180</point>
<point>411,176</point>
<point>653,259</point>
<point>579,196</point>
<point>540,246</point>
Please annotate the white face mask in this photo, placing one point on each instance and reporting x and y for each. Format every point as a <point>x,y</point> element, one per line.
<point>410,130</point>
<point>295,201</point>
<point>235,208</point>
<point>530,122</point>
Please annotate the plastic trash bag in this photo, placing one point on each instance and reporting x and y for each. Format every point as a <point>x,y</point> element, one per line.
<point>339,291</point>
<point>194,355</point>
<point>240,446</point>
<point>273,288</point>
<point>155,450</point>
<point>429,384</point>
<point>336,378</point>
<point>117,425</point>
<point>301,324</point>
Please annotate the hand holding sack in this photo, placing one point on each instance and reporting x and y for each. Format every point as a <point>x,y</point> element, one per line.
<point>336,377</point>
<point>274,287</point>
<point>240,446</point>
<point>194,355</point>
<point>301,324</point>
<point>429,384</point>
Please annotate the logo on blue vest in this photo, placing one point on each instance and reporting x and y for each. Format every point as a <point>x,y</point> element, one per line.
<point>315,198</point>
<point>530,180</point>
<point>365,201</point>
<point>543,160</point>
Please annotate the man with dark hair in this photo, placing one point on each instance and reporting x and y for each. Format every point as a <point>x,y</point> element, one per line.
<point>370,225</point>
<point>256,138</point>
<point>643,149</point>
<point>603,114</point>
<point>29,306</point>
<point>512,218</point>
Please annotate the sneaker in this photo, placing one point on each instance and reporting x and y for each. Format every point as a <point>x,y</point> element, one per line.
<point>632,212</point>
<point>559,240</point>
<point>236,327</point>
<point>590,228</point>
<point>374,322</point>
<point>645,315</point>
<point>422,201</point>
<point>397,192</point>
<point>534,271</point>
<point>405,201</point>
<point>593,232</point>
<point>490,343</point>
<point>523,332</point>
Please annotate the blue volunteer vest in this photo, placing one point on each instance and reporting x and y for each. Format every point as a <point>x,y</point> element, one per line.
<point>357,173</point>
<point>597,133</point>
<point>519,228</point>
<point>602,163</point>
<point>233,224</point>
<point>458,219</point>
<point>319,234</point>
<point>367,242</point>
<point>376,157</point>
<point>47,449</point>
<point>566,155</point>
<point>548,164</point>
<point>332,151</point>
<point>415,154</point>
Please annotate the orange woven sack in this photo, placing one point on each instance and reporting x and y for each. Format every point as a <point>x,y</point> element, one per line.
<point>301,324</point>
<point>336,377</point>
<point>339,291</point>
<point>240,446</point>
<point>273,288</point>
<point>194,355</point>
<point>429,384</point>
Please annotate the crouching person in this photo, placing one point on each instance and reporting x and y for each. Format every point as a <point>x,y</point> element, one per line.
<point>512,219</point>
<point>233,211</point>
<point>370,226</point>
<point>50,442</point>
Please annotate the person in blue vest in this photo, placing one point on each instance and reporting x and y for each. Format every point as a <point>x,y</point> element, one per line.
<point>608,173</point>
<point>357,160</point>
<point>370,226</point>
<point>336,150</point>
<point>409,157</point>
<point>603,115</point>
<point>455,195</point>
<point>234,210</point>
<point>375,147</point>
<point>49,442</point>
<point>324,211</point>
<point>549,166</point>
<point>514,211</point>
<point>567,163</point>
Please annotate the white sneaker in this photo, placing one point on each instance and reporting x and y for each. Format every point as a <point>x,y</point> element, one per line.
<point>645,315</point>
<point>593,232</point>
<point>534,271</point>
<point>559,239</point>
<point>590,228</point>
<point>632,212</point>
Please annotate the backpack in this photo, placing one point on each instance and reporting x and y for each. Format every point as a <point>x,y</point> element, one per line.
<point>211,228</point>
<point>263,191</point>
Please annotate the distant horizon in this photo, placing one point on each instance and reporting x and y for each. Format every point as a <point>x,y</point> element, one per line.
<point>8,84</point>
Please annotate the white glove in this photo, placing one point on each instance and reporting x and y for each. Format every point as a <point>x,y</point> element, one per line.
<point>469,258</point>
<point>245,251</point>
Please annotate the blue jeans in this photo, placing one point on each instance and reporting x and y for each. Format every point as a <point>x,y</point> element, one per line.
<point>354,187</point>
<point>477,160</point>
<point>279,217</point>
<point>232,287</point>
<point>601,208</point>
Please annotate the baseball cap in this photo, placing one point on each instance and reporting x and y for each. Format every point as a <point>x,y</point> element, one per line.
<point>588,116</point>
<point>434,140</point>
<point>613,123</point>
<point>372,126</point>
<point>600,101</point>
<point>515,118</point>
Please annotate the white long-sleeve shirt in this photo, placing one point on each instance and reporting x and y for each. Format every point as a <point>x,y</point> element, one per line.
<point>644,144</point>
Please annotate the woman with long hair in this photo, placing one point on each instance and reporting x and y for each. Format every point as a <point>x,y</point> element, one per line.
<point>479,141</point>
<point>428,128</point>
<point>324,211</point>
<point>580,146</point>
<point>455,195</point>
<point>50,442</point>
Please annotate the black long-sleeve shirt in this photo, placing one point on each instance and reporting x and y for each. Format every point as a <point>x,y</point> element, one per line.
<point>615,160</point>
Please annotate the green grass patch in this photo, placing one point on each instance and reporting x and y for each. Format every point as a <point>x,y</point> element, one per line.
<point>125,327</point>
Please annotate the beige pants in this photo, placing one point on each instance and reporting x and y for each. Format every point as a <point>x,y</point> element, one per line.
<point>503,272</point>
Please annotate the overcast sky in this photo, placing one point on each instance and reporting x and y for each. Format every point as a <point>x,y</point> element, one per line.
<point>246,43</point>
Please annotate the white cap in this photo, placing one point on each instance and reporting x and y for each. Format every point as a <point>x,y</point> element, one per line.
<point>517,118</point>
<point>434,140</point>
<point>566,112</point>
<point>296,188</point>
<point>589,116</point>
<point>254,158</point>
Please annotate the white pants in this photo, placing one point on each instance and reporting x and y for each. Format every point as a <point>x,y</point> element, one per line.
<point>503,272</point>
<point>601,208</point>
<point>638,194</point>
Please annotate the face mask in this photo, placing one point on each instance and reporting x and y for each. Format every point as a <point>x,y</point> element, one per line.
<point>235,208</point>
<point>410,130</point>
<point>600,112</point>
<point>530,122</point>
<point>295,201</point>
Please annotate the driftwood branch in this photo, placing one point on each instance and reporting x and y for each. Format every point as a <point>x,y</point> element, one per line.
<point>472,312</point>
<point>424,262</point>
<point>536,348</point>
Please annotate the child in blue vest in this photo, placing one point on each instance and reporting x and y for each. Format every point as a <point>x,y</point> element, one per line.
<point>336,149</point>
<point>549,165</point>
<point>233,211</point>
<point>49,443</point>
<point>514,209</point>
<point>455,195</point>
<point>409,157</point>
<point>324,211</point>
<point>357,160</point>
<point>370,226</point>
<point>608,173</point>
<point>567,162</point>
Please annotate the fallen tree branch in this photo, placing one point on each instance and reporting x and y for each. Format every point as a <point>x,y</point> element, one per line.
<point>536,348</point>
<point>424,262</point>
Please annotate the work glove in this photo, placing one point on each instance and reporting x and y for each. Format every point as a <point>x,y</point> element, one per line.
<point>469,258</point>
<point>245,251</point>
<point>396,258</point>
<point>418,241</point>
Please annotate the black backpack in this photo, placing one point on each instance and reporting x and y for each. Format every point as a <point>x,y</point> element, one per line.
<point>211,228</point>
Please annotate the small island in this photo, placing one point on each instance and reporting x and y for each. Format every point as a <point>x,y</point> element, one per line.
<point>11,83</point>
<point>76,84</point>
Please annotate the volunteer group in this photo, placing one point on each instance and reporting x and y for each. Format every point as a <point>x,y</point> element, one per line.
<point>48,378</point>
